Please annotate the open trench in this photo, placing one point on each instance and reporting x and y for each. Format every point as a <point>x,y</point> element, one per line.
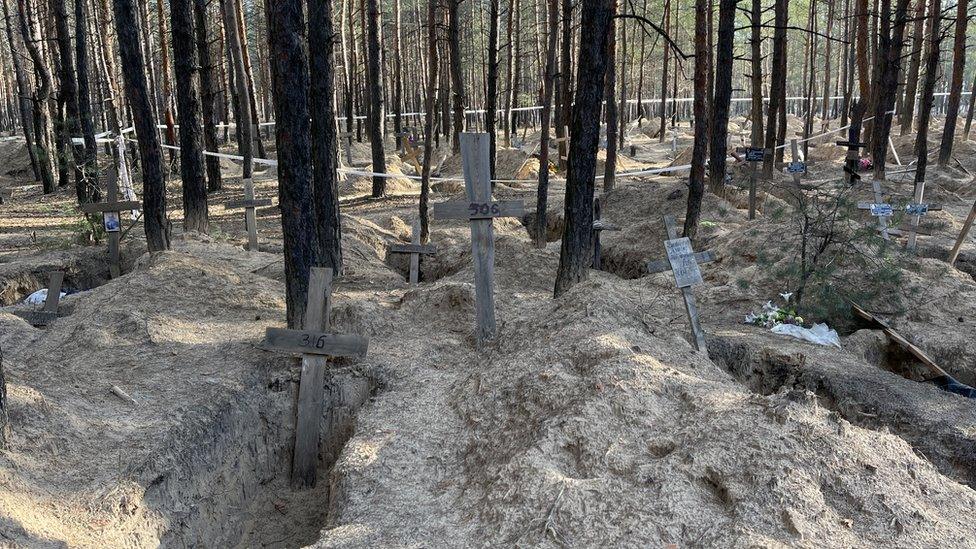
<point>227,483</point>
<point>869,399</point>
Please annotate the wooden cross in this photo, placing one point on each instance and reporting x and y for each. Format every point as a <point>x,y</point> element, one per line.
<point>753,155</point>
<point>480,210</point>
<point>966,227</point>
<point>598,227</point>
<point>410,152</point>
<point>111,218</point>
<point>315,343</point>
<point>916,210</point>
<point>683,262</point>
<point>850,167</point>
<point>415,248</point>
<point>250,219</point>
<point>560,141</point>
<point>798,167</point>
<point>347,137</point>
<point>49,312</point>
<point>883,211</point>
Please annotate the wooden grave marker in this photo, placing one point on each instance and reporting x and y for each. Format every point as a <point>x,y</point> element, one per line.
<point>559,142</point>
<point>249,203</point>
<point>966,227</point>
<point>315,343</point>
<point>49,312</point>
<point>883,210</point>
<point>850,165</point>
<point>111,211</point>
<point>410,152</point>
<point>415,248</point>
<point>480,210</point>
<point>599,225</point>
<point>753,155</point>
<point>683,262</point>
<point>797,167</point>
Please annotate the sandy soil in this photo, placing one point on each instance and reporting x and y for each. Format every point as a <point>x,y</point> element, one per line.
<point>589,422</point>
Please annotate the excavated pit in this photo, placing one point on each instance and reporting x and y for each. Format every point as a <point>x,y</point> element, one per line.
<point>869,396</point>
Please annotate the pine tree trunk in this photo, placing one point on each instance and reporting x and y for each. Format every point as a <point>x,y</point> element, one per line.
<point>928,88</point>
<point>511,94</point>
<point>248,78</point>
<point>290,84</point>
<point>397,72</point>
<point>89,165</point>
<point>42,144</point>
<point>723,94</point>
<point>245,127</point>
<point>610,92</point>
<point>755,42</point>
<point>133,73</point>
<point>777,85</point>
<point>491,96</point>
<point>208,95</point>
<point>890,62</point>
<point>548,91</point>
<point>376,115</point>
<point>191,124</point>
<point>696,180</point>
<point>907,111</point>
<point>457,82</point>
<point>325,152</point>
<point>167,85</point>
<point>955,87</point>
<point>429,127</point>
<point>565,112</point>
<point>664,73</point>
<point>575,254</point>
<point>69,95</point>
<point>23,102</point>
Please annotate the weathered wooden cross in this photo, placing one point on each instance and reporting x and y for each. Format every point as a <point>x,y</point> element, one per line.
<point>315,343</point>
<point>559,141</point>
<point>480,209</point>
<point>111,218</point>
<point>49,312</point>
<point>966,227</point>
<point>798,166</point>
<point>754,156</point>
<point>850,166</point>
<point>347,137</point>
<point>415,248</point>
<point>883,211</point>
<point>250,218</point>
<point>599,226</point>
<point>683,262</point>
<point>410,153</point>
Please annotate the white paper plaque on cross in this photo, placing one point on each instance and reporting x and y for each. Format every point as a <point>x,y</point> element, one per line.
<point>480,210</point>
<point>315,343</point>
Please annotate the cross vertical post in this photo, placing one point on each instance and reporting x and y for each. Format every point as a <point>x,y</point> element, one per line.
<point>916,215</point>
<point>415,248</point>
<point>882,220</point>
<point>250,218</point>
<point>966,227</point>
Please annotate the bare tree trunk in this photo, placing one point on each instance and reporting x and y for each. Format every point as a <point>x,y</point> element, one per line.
<point>824,109</point>
<point>429,129</point>
<point>89,165</point>
<point>191,126</point>
<point>133,73</point>
<point>723,93</point>
<point>397,72</point>
<point>245,126</point>
<point>696,181</point>
<point>512,84</point>
<point>167,86</point>
<point>248,77</point>
<point>664,72</point>
<point>42,145</point>
<point>548,89</point>
<point>565,93</point>
<point>890,62</point>
<point>907,110</point>
<point>755,42</point>
<point>457,81</point>
<point>23,101</point>
<point>290,84</point>
<point>208,95</point>
<point>955,87</point>
<point>610,167</point>
<point>69,95</point>
<point>575,254</point>
<point>375,98</point>
<point>325,158</point>
<point>928,89</point>
<point>492,85</point>
<point>777,85</point>
<point>108,58</point>
<point>863,73</point>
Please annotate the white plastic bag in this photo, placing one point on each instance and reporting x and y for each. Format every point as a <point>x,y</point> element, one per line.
<point>38,297</point>
<point>820,334</point>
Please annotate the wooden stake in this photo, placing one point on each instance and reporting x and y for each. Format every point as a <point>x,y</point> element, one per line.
<point>966,227</point>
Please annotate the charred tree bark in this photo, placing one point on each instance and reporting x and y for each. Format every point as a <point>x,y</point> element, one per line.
<point>723,93</point>
<point>133,73</point>
<point>548,90</point>
<point>955,86</point>
<point>89,165</point>
<point>375,97</point>
<point>429,129</point>
<point>209,92</point>
<point>325,152</point>
<point>696,180</point>
<point>889,53</point>
<point>575,254</point>
<point>290,80</point>
<point>191,125</point>
<point>755,43</point>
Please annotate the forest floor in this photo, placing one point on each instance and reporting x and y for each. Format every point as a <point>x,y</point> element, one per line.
<point>590,421</point>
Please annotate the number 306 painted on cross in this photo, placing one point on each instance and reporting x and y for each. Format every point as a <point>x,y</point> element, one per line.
<point>484,208</point>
